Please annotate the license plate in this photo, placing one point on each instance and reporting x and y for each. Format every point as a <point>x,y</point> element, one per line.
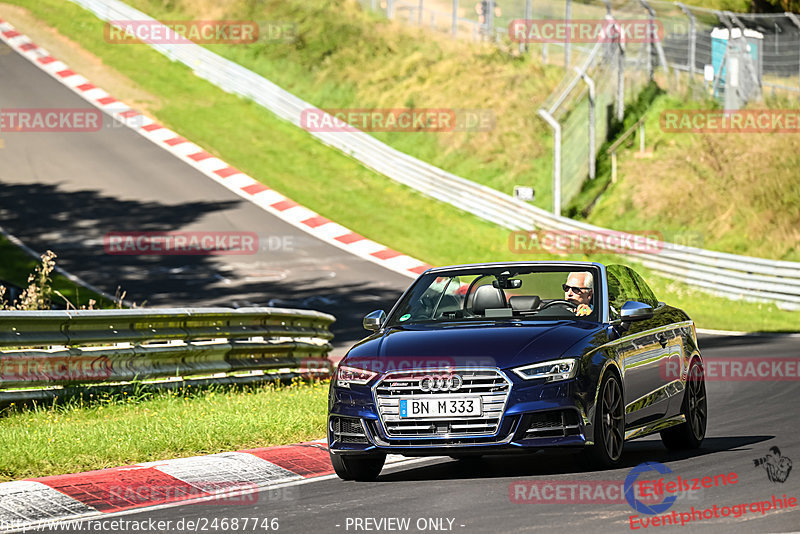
<point>441,407</point>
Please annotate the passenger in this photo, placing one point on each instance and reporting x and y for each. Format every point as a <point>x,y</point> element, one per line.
<point>579,290</point>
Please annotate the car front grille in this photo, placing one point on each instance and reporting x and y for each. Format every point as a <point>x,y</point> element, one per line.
<point>492,387</point>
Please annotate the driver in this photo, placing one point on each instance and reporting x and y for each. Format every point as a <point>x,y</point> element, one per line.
<point>579,290</point>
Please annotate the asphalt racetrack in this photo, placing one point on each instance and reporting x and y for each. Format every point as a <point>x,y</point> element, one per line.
<point>66,191</point>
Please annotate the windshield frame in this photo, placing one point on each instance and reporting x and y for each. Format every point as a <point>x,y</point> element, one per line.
<point>599,314</point>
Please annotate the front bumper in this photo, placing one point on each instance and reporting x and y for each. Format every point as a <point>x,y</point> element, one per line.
<point>535,415</point>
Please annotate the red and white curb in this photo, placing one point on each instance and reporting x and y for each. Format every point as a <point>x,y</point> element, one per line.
<point>211,166</point>
<point>226,478</point>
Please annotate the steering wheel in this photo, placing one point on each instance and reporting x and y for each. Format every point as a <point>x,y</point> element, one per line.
<point>557,302</point>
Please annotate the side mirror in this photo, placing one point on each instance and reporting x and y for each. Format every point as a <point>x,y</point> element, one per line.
<point>374,320</point>
<point>635,311</point>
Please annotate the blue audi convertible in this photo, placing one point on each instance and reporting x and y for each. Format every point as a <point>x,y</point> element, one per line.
<point>510,357</point>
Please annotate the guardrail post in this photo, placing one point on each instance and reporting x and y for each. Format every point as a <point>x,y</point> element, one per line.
<point>592,157</point>
<point>556,160</point>
<point>796,22</point>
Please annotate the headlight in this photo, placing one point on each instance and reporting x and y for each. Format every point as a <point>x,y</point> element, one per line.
<point>551,371</point>
<point>350,375</point>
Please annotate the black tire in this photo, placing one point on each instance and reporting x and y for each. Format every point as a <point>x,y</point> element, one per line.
<point>357,467</point>
<point>690,435</point>
<point>609,425</point>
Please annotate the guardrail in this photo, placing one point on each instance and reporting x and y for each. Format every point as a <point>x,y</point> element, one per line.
<point>43,349</point>
<point>727,274</point>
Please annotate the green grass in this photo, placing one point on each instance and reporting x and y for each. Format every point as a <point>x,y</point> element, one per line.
<point>121,429</point>
<point>289,160</point>
<point>349,58</point>
<point>16,265</point>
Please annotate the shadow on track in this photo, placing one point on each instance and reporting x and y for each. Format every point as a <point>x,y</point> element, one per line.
<point>562,463</point>
<point>73,224</point>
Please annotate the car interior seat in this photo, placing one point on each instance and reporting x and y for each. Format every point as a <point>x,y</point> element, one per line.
<point>488,297</point>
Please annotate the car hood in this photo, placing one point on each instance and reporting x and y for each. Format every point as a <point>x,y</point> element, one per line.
<point>502,345</point>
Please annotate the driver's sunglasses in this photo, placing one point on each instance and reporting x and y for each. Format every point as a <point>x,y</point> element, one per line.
<point>576,290</point>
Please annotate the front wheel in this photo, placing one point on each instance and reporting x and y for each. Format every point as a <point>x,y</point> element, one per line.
<point>689,435</point>
<point>609,425</point>
<point>357,467</point>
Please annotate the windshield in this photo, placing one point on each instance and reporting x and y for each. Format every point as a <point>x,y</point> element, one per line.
<point>532,292</point>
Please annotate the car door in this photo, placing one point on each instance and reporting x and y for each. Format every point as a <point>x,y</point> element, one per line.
<point>642,349</point>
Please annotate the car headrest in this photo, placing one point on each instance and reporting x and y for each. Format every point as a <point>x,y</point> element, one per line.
<point>524,302</point>
<point>488,297</point>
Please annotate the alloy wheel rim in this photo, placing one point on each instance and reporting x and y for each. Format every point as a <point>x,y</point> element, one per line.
<point>697,402</point>
<point>612,419</point>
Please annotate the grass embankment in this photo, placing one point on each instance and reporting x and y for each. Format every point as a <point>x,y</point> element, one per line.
<point>737,193</point>
<point>291,161</point>
<point>124,429</point>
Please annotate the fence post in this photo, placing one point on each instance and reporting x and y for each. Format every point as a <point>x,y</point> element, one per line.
<point>490,4</point>
<point>528,15</point>
<point>556,160</point>
<point>620,74</point>
<point>662,58</point>
<point>389,9</point>
<point>455,18</point>
<point>567,43</point>
<point>419,16</point>
<point>592,156</point>
<point>796,22</point>
<point>692,44</point>
<point>641,137</point>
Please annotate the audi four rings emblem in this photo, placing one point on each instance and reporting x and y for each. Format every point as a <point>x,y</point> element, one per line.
<point>430,383</point>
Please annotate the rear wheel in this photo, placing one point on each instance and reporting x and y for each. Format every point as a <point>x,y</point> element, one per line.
<point>609,425</point>
<point>357,467</point>
<point>689,435</point>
